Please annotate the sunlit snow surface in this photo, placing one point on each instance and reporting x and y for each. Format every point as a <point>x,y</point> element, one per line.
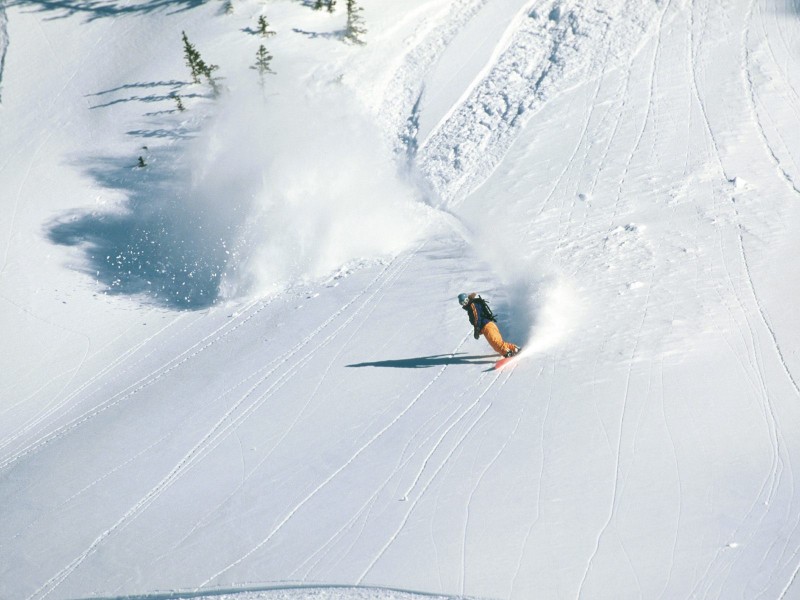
<point>240,370</point>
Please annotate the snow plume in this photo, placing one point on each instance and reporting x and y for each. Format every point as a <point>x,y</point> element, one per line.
<point>311,183</point>
<point>537,307</point>
<point>271,190</point>
<point>537,312</point>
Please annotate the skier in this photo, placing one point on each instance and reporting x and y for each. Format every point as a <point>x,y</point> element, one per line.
<point>483,322</point>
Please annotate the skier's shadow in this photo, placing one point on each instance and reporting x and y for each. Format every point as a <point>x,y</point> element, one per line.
<point>437,360</point>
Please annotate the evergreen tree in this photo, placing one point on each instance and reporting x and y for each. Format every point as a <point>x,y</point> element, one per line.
<point>263,27</point>
<point>192,57</point>
<point>330,5</point>
<point>212,81</point>
<point>197,65</point>
<point>179,102</point>
<point>262,64</point>
<point>355,24</point>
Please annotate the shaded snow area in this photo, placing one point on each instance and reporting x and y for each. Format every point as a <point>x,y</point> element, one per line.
<point>233,361</point>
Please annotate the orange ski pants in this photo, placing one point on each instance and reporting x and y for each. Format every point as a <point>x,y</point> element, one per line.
<point>492,335</point>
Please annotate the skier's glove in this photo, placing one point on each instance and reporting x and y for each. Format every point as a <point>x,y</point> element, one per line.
<point>476,335</point>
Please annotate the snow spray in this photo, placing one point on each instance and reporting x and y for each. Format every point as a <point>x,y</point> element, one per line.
<point>307,183</point>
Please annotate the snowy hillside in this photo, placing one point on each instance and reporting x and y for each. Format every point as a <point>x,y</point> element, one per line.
<point>233,363</point>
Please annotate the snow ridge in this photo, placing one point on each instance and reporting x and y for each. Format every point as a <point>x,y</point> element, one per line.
<point>398,112</point>
<point>548,54</point>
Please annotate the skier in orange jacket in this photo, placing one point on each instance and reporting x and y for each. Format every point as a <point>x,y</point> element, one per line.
<point>483,322</point>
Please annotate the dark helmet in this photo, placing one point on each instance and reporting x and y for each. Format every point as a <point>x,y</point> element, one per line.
<point>463,299</point>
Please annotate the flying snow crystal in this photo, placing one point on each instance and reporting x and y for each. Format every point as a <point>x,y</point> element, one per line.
<point>311,184</point>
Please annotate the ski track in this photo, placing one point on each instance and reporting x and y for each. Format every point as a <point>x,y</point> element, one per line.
<point>401,116</point>
<point>618,451</point>
<point>478,482</point>
<point>545,57</point>
<point>372,500</point>
<point>47,413</point>
<point>754,106</point>
<point>142,383</point>
<point>621,429</point>
<point>267,380</point>
<point>218,431</point>
<point>445,461</point>
<point>671,438</point>
<point>756,361</point>
<point>288,516</point>
<point>753,361</point>
<point>286,376</point>
<point>395,473</point>
<point>17,198</point>
<point>90,355</point>
<point>647,116</point>
<point>62,505</point>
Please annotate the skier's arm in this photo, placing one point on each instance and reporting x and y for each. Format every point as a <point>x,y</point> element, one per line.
<point>473,318</point>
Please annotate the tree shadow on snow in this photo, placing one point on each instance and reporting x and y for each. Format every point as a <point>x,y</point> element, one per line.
<point>107,98</point>
<point>98,9</point>
<point>437,360</point>
<point>162,243</point>
<point>330,35</point>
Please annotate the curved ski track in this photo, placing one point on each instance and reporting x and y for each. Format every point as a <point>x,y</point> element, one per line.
<point>238,411</point>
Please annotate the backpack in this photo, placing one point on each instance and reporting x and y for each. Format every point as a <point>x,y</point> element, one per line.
<point>484,307</point>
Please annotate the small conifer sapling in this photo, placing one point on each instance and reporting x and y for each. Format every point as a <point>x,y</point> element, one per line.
<point>192,57</point>
<point>263,27</point>
<point>355,29</point>
<point>262,64</point>
<point>330,5</point>
<point>197,65</point>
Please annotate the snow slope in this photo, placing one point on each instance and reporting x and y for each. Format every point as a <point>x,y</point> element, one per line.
<point>240,371</point>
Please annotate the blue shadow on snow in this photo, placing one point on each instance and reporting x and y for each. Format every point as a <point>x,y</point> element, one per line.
<point>98,9</point>
<point>438,360</point>
<point>160,244</point>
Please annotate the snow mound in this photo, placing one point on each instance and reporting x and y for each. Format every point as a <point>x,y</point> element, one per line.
<point>327,593</point>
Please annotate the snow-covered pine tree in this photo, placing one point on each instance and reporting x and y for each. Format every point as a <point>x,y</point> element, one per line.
<point>355,24</point>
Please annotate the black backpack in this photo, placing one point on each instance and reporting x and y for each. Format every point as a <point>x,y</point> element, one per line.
<point>484,306</point>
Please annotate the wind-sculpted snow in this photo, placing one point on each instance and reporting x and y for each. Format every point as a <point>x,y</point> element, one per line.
<point>551,51</point>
